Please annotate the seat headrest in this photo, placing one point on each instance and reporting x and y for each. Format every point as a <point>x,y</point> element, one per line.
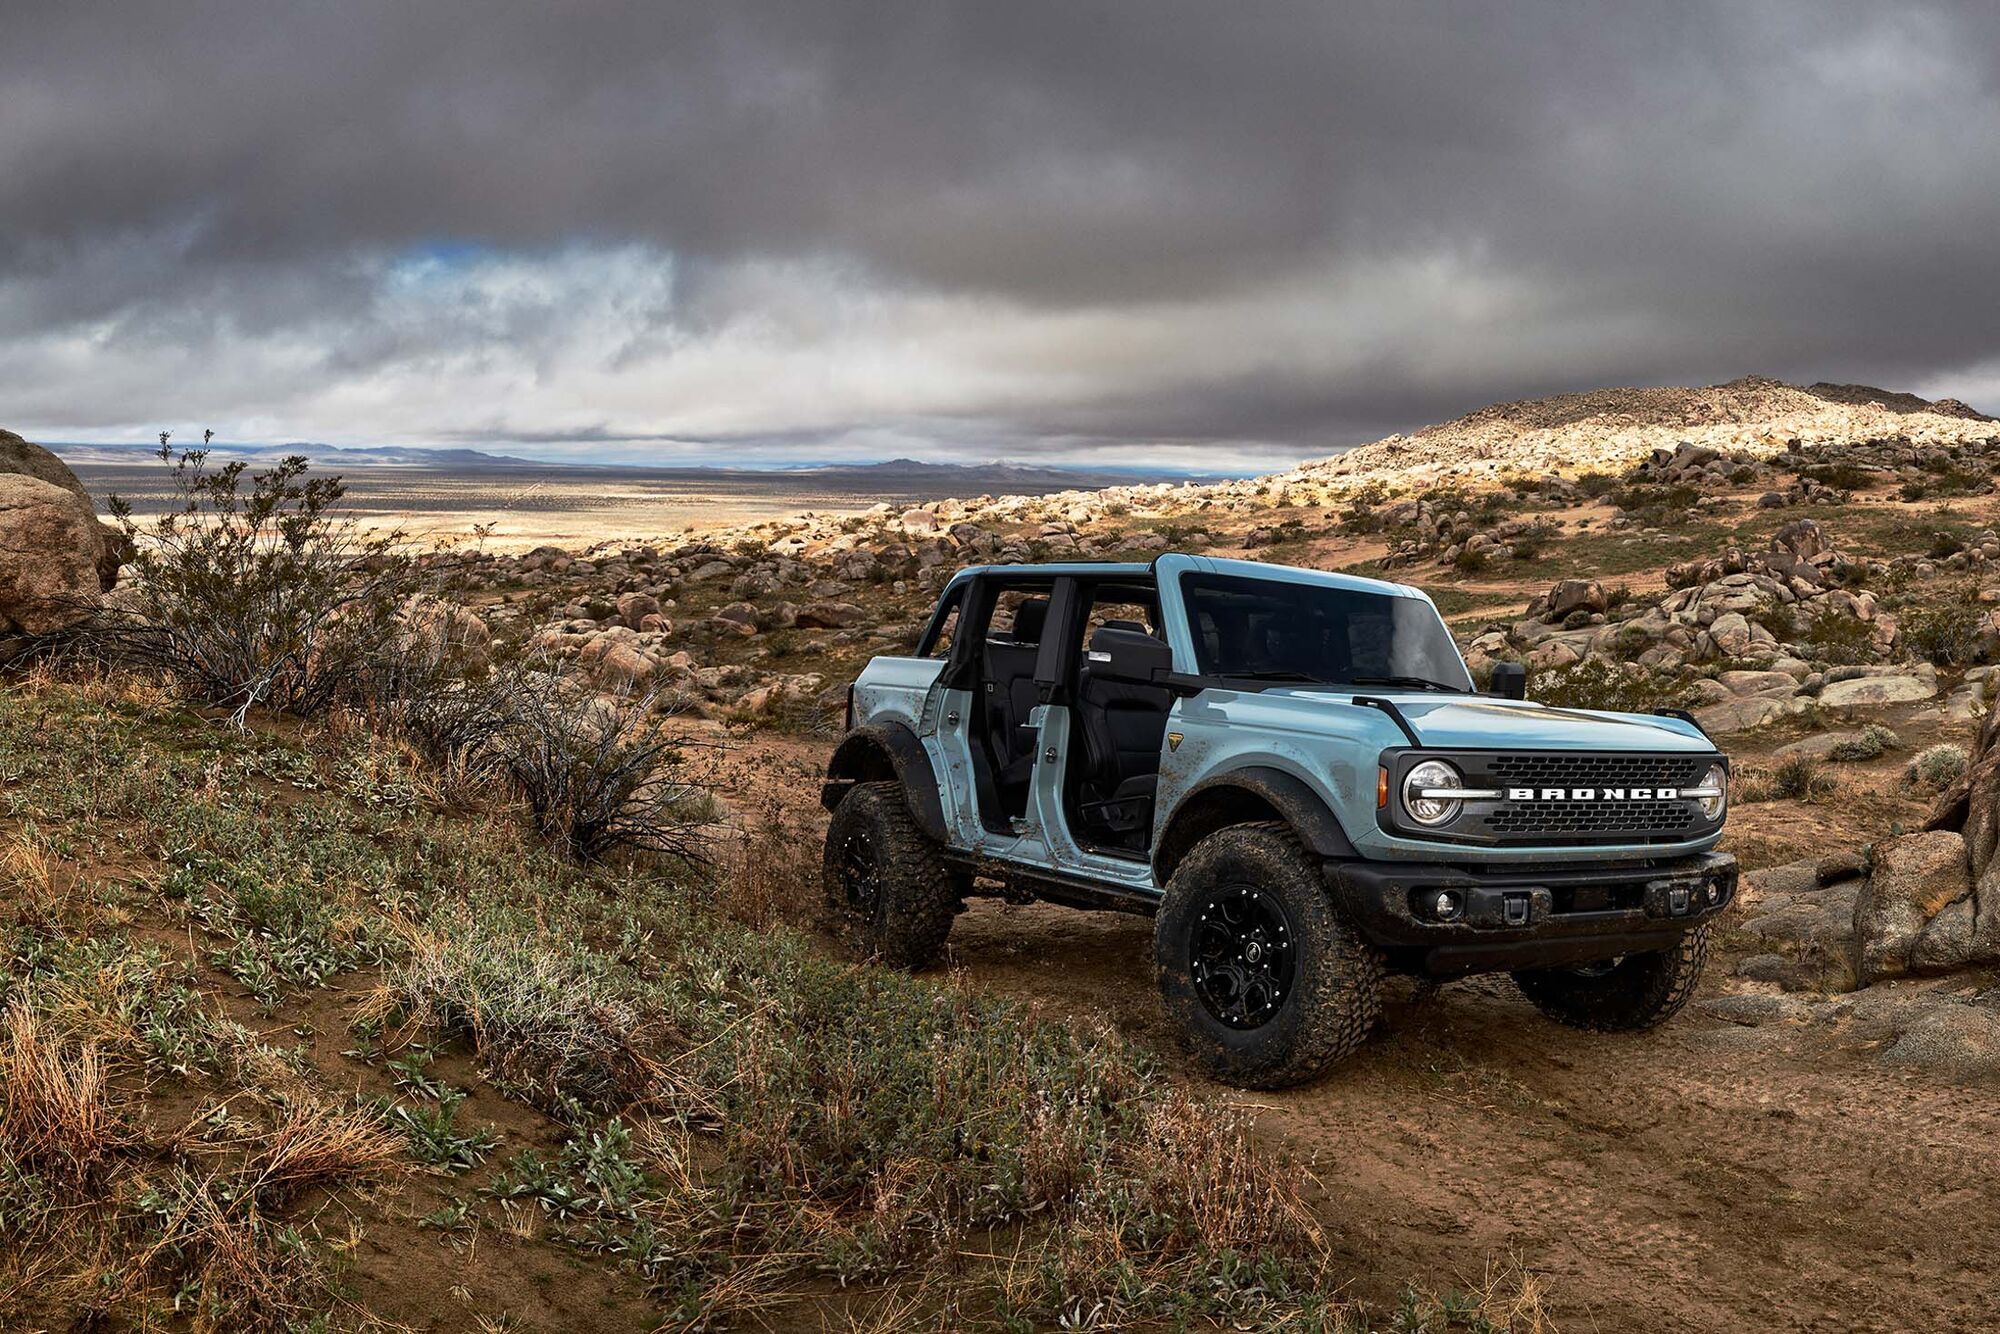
<point>1113,633</point>
<point>1029,619</point>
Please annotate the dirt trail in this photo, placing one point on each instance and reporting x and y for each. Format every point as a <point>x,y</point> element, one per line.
<point>1704,1177</point>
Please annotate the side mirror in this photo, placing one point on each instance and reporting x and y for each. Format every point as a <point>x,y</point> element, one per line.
<point>1129,655</point>
<point>1510,680</point>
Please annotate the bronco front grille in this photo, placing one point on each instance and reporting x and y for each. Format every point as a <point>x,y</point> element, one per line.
<point>1587,770</point>
<point>1571,819</point>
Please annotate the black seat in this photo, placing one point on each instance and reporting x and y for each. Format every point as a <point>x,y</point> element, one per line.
<point>1011,697</point>
<point>1122,724</point>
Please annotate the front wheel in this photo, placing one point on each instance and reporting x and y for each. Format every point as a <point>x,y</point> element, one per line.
<point>1269,981</point>
<point>1624,995</point>
<point>887,888</point>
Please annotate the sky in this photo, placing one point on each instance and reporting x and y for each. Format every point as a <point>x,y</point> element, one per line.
<point>1163,232</point>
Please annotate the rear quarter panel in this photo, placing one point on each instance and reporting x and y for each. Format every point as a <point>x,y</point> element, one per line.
<point>893,690</point>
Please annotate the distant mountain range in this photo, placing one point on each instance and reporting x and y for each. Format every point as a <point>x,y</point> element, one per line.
<point>899,475</point>
<point>373,456</point>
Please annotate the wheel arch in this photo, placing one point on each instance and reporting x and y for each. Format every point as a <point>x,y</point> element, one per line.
<point>887,752</point>
<point>1250,795</point>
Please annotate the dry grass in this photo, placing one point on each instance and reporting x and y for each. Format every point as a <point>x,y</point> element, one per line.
<point>56,1113</point>
<point>320,1147</point>
<point>771,870</point>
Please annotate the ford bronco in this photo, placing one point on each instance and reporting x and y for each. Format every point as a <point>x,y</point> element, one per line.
<point>1293,772</point>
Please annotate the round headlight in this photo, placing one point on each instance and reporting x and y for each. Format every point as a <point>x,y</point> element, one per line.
<point>1715,780</point>
<point>1431,776</point>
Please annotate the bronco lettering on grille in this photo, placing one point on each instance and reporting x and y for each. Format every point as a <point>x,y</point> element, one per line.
<point>1593,794</point>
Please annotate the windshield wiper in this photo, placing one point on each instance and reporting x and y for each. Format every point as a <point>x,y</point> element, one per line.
<point>1275,674</point>
<point>1409,682</point>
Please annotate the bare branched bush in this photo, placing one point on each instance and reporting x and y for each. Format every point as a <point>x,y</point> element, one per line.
<point>596,772</point>
<point>255,591</point>
<point>774,871</point>
<point>599,773</point>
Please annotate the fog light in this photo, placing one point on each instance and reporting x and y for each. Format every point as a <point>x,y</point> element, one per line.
<point>1714,892</point>
<point>1445,906</point>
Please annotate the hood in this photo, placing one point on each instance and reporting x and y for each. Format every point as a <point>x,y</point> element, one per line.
<point>1480,722</point>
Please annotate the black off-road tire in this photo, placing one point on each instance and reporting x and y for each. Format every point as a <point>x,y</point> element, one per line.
<point>1334,995</point>
<point>887,888</point>
<point>1638,992</point>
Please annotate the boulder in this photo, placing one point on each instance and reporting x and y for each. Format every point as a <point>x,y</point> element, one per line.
<point>1740,715</point>
<point>634,608</point>
<point>28,459</point>
<point>1802,538</point>
<point>615,664</point>
<point>1869,691</point>
<point>829,616</point>
<point>56,557</point>
<point>1730,633</point>
<point>1779,684</point>
<point>1971,805</point>
<point>1959,1041</point>
<point>52,556</point>
<point>1818,746</point>
<point>1576,595</point>
<point>1915,877</point>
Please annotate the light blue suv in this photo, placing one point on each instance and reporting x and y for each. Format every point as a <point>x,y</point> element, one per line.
<point>1294,773</point>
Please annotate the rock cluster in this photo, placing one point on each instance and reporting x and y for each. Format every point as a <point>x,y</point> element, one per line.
<point>1756,613</point>
<point>1922,903</point>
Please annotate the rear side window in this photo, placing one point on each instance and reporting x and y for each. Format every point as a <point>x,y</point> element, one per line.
<point>947,632</point>
<point>1020,615</point>
<point>943,630</point>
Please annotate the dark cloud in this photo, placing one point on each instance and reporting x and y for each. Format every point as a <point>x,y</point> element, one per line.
<point>1016,226</point>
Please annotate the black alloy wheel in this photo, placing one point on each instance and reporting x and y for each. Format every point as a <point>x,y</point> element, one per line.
<point>883,881</point>
<point>858,872</point>
<point>1242,955</point>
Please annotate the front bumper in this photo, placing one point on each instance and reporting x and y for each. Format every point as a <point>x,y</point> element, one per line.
<point>1511,917</point>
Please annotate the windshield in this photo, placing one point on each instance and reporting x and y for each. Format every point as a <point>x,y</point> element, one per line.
<point>1264,628</point>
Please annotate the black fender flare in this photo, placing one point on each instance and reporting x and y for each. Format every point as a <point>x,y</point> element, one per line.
<point>1256,790</point>
<point>878,752</point>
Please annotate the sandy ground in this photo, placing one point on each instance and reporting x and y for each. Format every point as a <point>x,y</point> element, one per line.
<point>531,506</point>
<point>1707,1176</point>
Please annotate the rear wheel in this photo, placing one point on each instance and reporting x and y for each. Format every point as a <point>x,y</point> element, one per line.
<point>1624,995</point>
<point>1269,981</point>
<point>886,885</point>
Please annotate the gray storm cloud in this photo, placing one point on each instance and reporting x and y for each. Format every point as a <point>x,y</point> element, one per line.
<point>717,230</point>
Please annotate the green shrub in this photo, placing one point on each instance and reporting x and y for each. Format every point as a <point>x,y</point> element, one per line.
<point>1937,767</point>
<point>1841,476</point>
<point>1779,619</point>
<point>1945,544</point>
<point>1599,683</point>
<point>1944,631</point>
<point>1839,638</point>
<point>1867,744</point>
<point>1796,778</point>
<point>270,598</point>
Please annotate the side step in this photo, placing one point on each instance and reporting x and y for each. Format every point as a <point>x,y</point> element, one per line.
<point>1025,884</point>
